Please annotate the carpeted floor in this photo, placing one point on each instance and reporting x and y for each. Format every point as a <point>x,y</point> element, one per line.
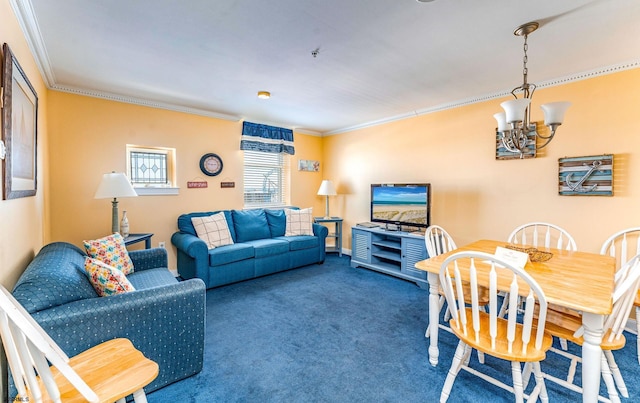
<point>331,333</point>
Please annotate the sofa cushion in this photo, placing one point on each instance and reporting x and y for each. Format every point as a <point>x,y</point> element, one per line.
<point>230,253</point>
<point>105,279</point>
<point>64,262</point>
<point>185,224</point>
<point>151,278</point>
<point>269,247</point>
<point>277,222</point>
<point>250,225</point>
<point>112,251</point>
<point>299,222</point>
<point>301,242</point>
<point>213,230</point>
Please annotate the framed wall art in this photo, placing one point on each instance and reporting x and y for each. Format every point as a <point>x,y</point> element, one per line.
<point>586,176</point>
<point>19,129</point>
<point>309,165</point>
<point>503,154</point>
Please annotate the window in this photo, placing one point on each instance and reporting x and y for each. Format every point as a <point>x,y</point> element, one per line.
<point>151,170</point>
<point>266,179</point>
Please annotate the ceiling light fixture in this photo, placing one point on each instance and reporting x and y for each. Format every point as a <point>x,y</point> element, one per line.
<point>514,124</point>
<point>264,94</point>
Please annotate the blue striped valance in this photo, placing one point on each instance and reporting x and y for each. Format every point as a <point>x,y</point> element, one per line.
<point>269,139</point>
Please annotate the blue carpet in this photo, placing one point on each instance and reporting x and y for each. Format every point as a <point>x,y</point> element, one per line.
<point>331,333</point>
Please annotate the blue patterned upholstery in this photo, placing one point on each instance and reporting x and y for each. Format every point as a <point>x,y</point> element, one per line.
<point>163,318</point>
<point>260,248</point>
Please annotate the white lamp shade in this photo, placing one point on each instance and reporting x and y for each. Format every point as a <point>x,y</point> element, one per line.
<point>515,109</point>
<point>501,118</point>
<point>113,185</point>
<point>554,112</point>
<point>327,189</point>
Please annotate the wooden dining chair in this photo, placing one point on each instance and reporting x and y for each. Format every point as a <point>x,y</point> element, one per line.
<point>568,325</point>
<point>42,372</point>
<point>622,245</point>
<point>541,234</point>
<point>516,338</point>
<point>438,241</point>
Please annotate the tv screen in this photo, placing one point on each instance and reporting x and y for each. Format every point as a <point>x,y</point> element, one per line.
<point>406,204</point>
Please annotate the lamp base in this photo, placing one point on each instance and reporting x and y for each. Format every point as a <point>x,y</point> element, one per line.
<point>115,225</point>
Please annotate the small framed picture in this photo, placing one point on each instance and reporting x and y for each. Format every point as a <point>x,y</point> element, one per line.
<point>308,165</point>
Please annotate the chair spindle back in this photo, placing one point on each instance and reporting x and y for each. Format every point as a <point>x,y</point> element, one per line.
<point>543,234</point>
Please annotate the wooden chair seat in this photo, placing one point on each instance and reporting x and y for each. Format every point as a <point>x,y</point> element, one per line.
<point>113,370</point>
<point>564,325</point>
<point>501,349</point>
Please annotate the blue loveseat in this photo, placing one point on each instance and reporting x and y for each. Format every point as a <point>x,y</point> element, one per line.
<point>163,318</point>
<point>260,247</point>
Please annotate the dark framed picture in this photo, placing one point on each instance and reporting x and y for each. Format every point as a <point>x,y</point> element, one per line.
<point>19,129</point>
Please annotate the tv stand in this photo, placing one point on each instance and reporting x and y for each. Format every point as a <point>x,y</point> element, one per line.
<point>390,252</point>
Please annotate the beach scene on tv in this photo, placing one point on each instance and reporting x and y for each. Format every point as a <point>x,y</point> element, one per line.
<point>402,204</point>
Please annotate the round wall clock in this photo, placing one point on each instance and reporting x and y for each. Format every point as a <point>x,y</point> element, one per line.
<point>211,164</point>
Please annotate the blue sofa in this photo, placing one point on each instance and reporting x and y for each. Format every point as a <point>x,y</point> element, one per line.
<point>259,247</point>
<point>163,318</point>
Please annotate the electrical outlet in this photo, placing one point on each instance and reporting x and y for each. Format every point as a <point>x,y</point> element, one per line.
<point>161,245</point>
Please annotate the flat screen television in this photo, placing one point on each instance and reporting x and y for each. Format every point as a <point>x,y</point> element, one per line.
<point>401,204</point>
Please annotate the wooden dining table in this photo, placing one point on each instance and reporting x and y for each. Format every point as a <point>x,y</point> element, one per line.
<point>577,280</point>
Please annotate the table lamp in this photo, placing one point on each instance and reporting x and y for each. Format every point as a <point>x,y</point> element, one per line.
<point>114,185</point>
<point>327,189</point>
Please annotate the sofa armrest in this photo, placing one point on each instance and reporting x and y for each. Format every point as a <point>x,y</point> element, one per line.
<point>193,256</point>
<point>320,231</point>
<point>165,323</point>
<point>144,259</point>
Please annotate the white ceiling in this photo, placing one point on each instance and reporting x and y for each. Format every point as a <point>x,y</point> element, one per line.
<point>378,60</point>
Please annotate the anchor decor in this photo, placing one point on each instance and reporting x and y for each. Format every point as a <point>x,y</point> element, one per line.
<point>586,176</point>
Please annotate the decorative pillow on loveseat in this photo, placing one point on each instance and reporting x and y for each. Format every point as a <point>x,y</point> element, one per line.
<point>213,230</point>
<point>105,279</point>
<point>299,222</point>
<point>112,251</point>
<point>250,225</point>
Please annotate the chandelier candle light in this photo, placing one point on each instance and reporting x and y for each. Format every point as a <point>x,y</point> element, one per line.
<point>114,185</point>
<point>327,189</point>
<point>514,124</point>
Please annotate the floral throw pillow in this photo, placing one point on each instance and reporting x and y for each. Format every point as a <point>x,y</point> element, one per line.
<point>112,251</point>
<point>213,230</point>
<point>105,279</point>
<point>299,222</point>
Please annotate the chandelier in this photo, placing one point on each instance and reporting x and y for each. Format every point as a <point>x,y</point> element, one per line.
<point>514,124</point>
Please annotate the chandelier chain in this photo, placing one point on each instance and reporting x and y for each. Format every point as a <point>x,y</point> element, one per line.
<point>525,71</point>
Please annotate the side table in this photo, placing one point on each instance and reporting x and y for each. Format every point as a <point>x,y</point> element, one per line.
<point>135,238</point>
<point>336,234</point>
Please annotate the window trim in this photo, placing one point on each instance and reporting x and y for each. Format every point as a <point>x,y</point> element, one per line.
<point>154,189</point>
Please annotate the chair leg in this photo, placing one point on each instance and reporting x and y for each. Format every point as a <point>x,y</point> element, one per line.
<point>563,344</point>
<point>539,383</point>
<point>516,374</point>
<point>608,380</point>
<point>139,396</point>
<point>456,364</point>
<point>617,375</point>
<point>503,308</point>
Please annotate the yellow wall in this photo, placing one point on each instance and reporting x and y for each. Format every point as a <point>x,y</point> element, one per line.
<point>88,138</point>
<point>474,195</point>
<point>24,221</point>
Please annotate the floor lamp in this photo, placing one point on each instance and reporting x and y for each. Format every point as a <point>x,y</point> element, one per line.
<point>114,185</point>
<point>327,189</point>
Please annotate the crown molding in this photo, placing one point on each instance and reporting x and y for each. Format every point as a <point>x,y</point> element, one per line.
<point>496,95</point>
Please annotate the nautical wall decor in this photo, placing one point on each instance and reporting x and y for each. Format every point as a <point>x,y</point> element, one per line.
<point>529,151</point>
<point>586,176</point>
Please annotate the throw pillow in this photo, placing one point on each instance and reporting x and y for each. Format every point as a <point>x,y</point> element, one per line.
<point>299,222</point>
<point>112,251</point>
<point>213,230</point>
<point>105,279</point>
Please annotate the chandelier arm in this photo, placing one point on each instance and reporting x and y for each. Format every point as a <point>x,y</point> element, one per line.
<point>546,142</point>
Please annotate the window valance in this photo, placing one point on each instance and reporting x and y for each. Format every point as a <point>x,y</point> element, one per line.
<point>270,139</point>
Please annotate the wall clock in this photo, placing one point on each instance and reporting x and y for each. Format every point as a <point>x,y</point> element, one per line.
<point>211,164</point>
